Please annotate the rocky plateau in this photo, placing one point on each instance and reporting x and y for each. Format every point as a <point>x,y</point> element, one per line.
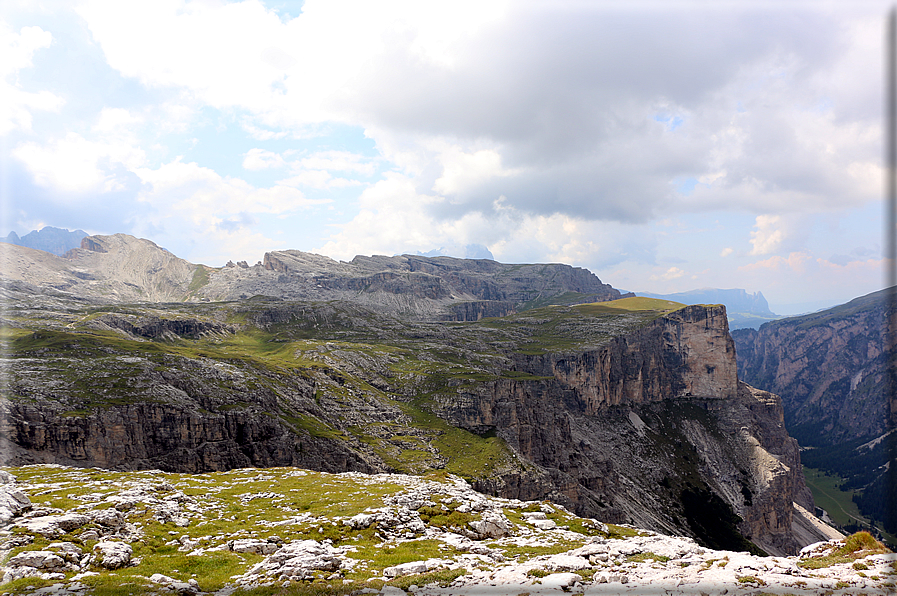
<point>530,382</point>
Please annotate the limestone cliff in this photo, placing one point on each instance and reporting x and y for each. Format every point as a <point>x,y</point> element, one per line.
<point>656,417</point>
<point>627,415</point>
<point>829,367</point>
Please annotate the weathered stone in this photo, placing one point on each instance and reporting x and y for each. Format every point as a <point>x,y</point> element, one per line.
<point>297,560</point>
<point>108,518</point>
<point>12,500</point>
<point>566,563</point>
<point>113,555</point>
<point>493,524</point>
<point>561,580</point>
<point>410,568</point>
<point>54,525</point>
<point>252,545</point>
<point>39,559</point>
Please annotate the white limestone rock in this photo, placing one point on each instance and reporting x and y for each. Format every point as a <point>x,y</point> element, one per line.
<point>12,500</point>
<point>410,568</point>
<point>492,524</point>
<point>566,563</point>
<point>113,555</point>
<point>252,545</point>
<point>296,561</point>
<point>561,580</point>
<point>52,526</point>
<point>38,559</point>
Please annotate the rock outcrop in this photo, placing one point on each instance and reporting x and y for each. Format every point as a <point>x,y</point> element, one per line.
<point>125,269</point>
<point>637,417</point>
<point>376,534</point>
<point>829,367</point>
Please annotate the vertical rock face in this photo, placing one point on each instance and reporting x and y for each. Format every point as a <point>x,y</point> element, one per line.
<point>686,353</point>
<point>829,366</point>
<point>649,426</point>
<point>653,428</point>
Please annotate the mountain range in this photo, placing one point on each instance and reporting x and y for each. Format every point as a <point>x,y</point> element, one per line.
<point>831,369</point>
<point>57,241</point>
<point>531,381</point>
<point>744,310</point>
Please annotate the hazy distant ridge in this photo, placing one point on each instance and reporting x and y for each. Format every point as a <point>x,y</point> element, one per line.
<point>736,300</point>
<point>57,241</point>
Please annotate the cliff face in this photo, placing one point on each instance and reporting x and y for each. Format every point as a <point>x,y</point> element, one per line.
<point>432,287</point>
<point>829,367</point>
<point>638,417</point>
<point>687,353</point>
<point>652,429</point>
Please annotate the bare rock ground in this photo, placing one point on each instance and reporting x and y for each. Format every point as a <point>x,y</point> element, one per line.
<point>291,531</point>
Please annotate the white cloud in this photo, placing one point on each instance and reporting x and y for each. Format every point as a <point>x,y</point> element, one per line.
<point>340,161</point>
<point>314,171</point>
<point>241,54</point>
<point>259,159</point>
<point>768,236</point>
<point>394,218</point>
<point>463,171</point>
<point>77,165</point>
<point>726,252</point>
<point>16,52</point>
<point>178,189</point>
<point>669,274</point>
<point>481,99</point>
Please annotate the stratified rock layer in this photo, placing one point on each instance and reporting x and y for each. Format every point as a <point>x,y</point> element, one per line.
<point>121,268</point>
<point>645,422</point>
<point>829,367</point>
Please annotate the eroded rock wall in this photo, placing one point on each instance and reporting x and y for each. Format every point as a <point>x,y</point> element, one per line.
<point>642,427</point>
<point>829,366</point>
<point>650,427</point>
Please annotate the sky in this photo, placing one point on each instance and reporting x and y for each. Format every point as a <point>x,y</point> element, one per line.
<point>665,146</point>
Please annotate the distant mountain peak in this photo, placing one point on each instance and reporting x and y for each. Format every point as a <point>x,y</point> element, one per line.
<point>468,251</point>
<point>57,241</point>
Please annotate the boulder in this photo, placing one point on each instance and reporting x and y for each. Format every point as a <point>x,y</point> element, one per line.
<point>113,555</point>
<point>54,525</point>
<point>252,545</point>
<point>492,524</point>
<point>566,563</point>
<point>411,568</point>
<point>39,559</point>
<point>12,500</point>
<point>560,580</point>
<point>297,560</point>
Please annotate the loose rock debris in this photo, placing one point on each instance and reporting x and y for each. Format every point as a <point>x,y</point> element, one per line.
<point>72,531</point>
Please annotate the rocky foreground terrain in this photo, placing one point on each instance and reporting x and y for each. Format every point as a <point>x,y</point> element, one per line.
<point>293,531</point>
<point>627,410</point>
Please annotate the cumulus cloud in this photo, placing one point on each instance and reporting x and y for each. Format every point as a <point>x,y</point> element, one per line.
<point>795,262</point>
<point>188,190</point>
<point>16,52</point>
<point>316,170</point>
<point>768,236</point>
<point>77,165</point>
<point>669,274</point>
<point>394,217</point>
<point>585,110</point>
<point>260,159</point>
